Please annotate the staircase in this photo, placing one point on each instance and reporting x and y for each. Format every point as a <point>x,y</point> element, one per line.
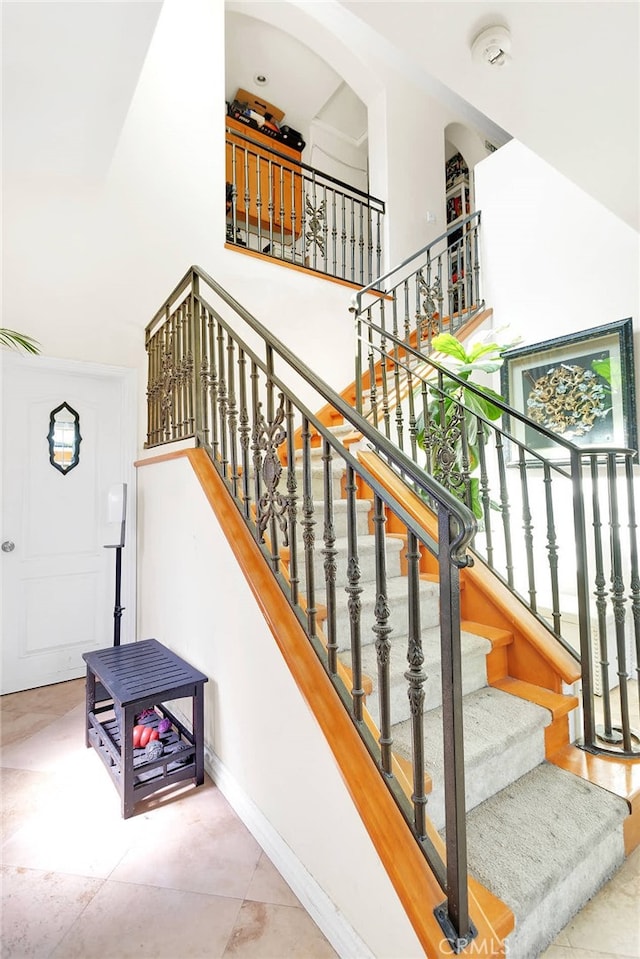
<point>539,838</point>
<point>460,694</point>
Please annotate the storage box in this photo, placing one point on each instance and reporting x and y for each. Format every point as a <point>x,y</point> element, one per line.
<point>259,105</point>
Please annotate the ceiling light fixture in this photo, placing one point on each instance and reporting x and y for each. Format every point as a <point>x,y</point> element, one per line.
<point>492,46</point>
<point>261,79</point>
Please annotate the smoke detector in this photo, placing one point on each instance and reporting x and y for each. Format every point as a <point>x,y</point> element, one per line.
<point>492,46</point>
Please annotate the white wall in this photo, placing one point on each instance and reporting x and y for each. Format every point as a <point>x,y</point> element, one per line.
<point>555,261</point>
<point>194,599</point>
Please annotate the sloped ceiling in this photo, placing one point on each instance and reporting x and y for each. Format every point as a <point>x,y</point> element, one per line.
<point>69,74</point>
<point>571,91</point>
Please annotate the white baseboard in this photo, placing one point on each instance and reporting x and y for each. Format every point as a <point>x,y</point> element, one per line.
<point>315,901</point>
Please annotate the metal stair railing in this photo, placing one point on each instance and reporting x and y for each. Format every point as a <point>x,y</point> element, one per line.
<point>237,401</point>
<point>291,211</point>
<point>557,522</point>
<point>436,289</point>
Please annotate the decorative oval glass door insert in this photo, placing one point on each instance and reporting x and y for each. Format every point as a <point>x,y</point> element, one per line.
<point>64,438</point>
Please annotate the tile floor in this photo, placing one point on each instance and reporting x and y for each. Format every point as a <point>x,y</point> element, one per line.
<point>182,878</point>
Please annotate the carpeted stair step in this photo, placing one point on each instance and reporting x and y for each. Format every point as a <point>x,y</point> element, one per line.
<point>503,740</point>
<point>545,845</point>
<point>398,610</point>
<point>395,546</point>
<point>474,672</point>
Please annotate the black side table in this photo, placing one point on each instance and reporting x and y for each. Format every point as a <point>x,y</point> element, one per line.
<point>122,681</point>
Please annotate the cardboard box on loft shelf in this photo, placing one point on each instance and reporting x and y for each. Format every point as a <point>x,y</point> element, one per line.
<point>258,105</point>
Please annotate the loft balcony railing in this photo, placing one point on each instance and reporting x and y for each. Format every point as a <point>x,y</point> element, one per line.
<point>556,522</point>
<point>285,209</point>
<point>296,485</point>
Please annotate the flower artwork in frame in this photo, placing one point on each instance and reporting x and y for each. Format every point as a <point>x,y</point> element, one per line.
<point>579,387</point>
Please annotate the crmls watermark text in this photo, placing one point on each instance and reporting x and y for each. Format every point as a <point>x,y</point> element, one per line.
<point>484,947</point>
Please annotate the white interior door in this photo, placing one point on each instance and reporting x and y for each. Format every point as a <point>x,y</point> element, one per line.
<point>57,577</point>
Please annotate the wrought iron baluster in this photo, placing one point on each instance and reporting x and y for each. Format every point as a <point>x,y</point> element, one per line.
<point>245,434</point>
<point>373,388</point>
<point>212,384</point>
<point>272,200</point>
<point>634,565</point>
<point>330,552</point>
<point>618,600</point>
<point>282,208</point>
<point>527,526</point>
<point>552,550</point>
<point>396,371</point>
<point>352,241</point>
<point>361,241</point>
<point>378,247</point>
<point>255,445</point>
<point>454,914</point>
<point>334,233</point>
<point>505,509</point>
<point>303,221</point>
<point>343,237</point>
<point>294,213</point>
<point>386,418</point>
<point>354,590</point>
<point>606,731</point>
<point>271,508</point>
<point>222,402</point>
<point>369,277</point>
<point>292,497</point>
<point>325,230</point>
<point>247,193</point>
<point>485,497</point>
<point>382,630</point>
<point>259,200</point>
<point>232,416</point>
<point>205,377</point>
<point>416,678</point>
<point>308,523</point>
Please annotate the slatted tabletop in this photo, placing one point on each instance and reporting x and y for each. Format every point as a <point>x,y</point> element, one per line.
<point>141,670</point>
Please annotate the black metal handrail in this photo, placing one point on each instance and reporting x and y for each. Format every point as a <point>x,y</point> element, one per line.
<point>512,467</point>
<point>282,207</point>
<point>207,382</point>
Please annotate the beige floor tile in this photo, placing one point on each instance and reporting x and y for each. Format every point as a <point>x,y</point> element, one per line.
<point>50,749</point>
<point>566,952</point>
<point>38,908</point>
<point>57,699</point>
<point>15,725</point>
<point>22,794</point>
<point>267,885</point>
<point>267,931</point>
<point>218,861</point>
<point>124,921</point>
<point>611,921</point>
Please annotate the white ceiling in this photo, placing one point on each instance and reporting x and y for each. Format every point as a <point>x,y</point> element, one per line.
<point>571,92</point>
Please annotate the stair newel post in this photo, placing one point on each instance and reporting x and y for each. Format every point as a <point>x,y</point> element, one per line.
<point>330,552</point>
<point>454,914</point>
<point>382,630</point>
<point>354,590</point>
<point>416,679</point>
<point>292,509</point>
<point>199,381</point>
<point>308,523</point>
<point>584,619</point>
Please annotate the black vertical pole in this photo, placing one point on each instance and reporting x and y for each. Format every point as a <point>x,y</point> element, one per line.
<point>117,610</point>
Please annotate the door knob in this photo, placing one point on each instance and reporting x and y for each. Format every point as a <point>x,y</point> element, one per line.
<point>8,546</point>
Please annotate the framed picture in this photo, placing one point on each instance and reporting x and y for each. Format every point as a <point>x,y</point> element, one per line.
<point>580,386</point>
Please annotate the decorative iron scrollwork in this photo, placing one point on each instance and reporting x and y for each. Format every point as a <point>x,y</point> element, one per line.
<point>428,318</point>
<point>268,437</point>
<point>316,221</point>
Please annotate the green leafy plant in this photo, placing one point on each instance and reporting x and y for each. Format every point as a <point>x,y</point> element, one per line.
<point>450,435</point>
<point>18,341</point>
